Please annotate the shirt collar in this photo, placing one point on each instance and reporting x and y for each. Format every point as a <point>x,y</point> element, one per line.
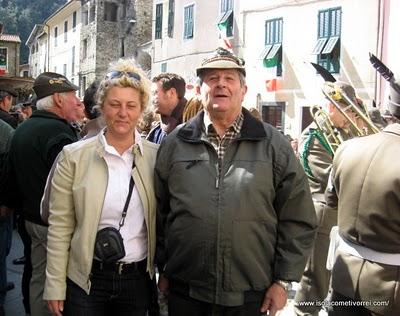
<point>135,148</point>
<point>236,125</point>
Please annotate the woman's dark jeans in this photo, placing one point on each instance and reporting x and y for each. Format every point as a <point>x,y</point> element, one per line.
<point>111,293</point>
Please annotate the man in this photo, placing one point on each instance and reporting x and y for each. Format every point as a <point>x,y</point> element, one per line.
<point>365,178</point>
<point>316,157</point>
<point>168,91</point>
<point>35,145</point>
<point>6,99</point>
<point>236,220</point>
<point>6,132</point>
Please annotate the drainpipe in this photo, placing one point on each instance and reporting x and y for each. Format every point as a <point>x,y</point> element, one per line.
<point>47,27</point>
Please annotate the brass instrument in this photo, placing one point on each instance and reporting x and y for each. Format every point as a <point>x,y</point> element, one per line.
<point>329,132</point>
<point>334,96</point>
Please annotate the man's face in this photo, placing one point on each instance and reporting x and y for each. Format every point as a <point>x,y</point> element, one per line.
<point>27,111</point>
<point>6,103</point>
<point>222,92</point>
<point>72,108</point>
<point>337,118</point>
<point>163,101</point>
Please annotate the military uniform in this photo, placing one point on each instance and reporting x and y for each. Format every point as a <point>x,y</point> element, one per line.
<point>366,179</point>
<point>316,158</point>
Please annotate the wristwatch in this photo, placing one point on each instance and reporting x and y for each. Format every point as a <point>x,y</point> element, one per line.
<point>287,285</point>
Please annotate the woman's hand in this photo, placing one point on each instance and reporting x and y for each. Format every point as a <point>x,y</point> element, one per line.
<point>56,307</point>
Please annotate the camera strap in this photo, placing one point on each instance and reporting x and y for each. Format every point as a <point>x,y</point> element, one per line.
<point>128,199</point>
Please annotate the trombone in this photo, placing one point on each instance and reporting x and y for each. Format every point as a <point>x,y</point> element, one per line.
<point>328,130</point>
<point>371,128</point>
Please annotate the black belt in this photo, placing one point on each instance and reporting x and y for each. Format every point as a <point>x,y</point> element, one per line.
<point>121,267</point>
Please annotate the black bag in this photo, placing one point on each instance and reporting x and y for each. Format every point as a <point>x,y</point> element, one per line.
<point>109,246</point>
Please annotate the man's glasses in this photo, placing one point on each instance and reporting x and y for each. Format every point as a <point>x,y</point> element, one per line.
<point>119,74</point>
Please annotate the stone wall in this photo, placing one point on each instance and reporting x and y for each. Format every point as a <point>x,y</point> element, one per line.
<point>110,40</point>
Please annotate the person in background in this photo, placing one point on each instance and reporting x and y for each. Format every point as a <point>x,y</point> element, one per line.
<point>256,113</point>
<point>118,165</point>
<point>7,94</point>
<point>168,97</point>
<point>365,188</point>
<point>95,121</point>
<point>234,211</point>
<point>6,132</point>
<point>39,140</point>
<point>316,158</point>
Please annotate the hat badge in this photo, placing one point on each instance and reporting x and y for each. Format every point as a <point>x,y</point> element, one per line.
<point>57,81</point>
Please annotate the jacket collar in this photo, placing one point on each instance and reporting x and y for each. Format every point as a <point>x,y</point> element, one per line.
<point>47,114</point>
<point>392,128</point>
<point>252,128</point>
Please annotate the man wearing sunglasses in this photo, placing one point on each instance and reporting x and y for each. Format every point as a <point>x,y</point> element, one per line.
<point>168,97</point>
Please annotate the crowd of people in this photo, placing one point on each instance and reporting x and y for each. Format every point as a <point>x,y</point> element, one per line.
<point>197,201</point>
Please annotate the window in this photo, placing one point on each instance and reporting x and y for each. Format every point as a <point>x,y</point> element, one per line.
<point>271,55</point>
<point>3,59</point>
<point>171,15</point>
<point>84,48</point>
<point>65,31</point>
<point>327,47</point>
<point>85,17</point>
<point>225,20</point>
<point>158,31</point>
<point>274,114</point>
<point>92,14</point>
<point>164,67</point>
<point>73,61</point>
<point>74,21</point>
<point>55,36</point>
<point>110,11</point>
<point>83,84</point>
<point>188,22</point>
<point>65,70</point>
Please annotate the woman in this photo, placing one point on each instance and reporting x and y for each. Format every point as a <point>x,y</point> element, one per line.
<point>90,191</point>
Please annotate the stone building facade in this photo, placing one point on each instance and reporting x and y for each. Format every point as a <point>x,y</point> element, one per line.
<point>112,29</point>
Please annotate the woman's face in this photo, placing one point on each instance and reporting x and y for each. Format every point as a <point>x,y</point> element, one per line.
<point>121,110</point>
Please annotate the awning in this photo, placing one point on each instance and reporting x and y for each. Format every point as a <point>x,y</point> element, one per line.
<point>319,46</point>
<point>265,51</point>
<point>223,20</point>
<point>275,49</point>
<point>330,45</point>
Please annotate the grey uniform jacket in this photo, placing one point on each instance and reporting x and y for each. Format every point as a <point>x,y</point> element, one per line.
<point>366,179</point>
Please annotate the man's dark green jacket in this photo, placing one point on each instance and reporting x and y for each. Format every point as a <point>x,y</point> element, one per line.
<point>34,147</point>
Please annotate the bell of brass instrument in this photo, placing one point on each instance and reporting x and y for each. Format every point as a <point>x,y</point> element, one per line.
<point>329,132</point>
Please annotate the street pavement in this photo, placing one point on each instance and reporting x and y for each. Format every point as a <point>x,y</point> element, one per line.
<point>14,307</point>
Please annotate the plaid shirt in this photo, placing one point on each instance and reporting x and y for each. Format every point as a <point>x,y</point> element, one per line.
<point>221,143</point>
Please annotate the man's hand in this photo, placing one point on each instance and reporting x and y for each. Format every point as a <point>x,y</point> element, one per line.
<point>163,284</point>
<point>56,307</point>
<point>5,211</point>
<point>274,300</point>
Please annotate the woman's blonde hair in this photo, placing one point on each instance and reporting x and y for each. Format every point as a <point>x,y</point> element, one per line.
<point>193,106</point>
<point>125,74</point>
